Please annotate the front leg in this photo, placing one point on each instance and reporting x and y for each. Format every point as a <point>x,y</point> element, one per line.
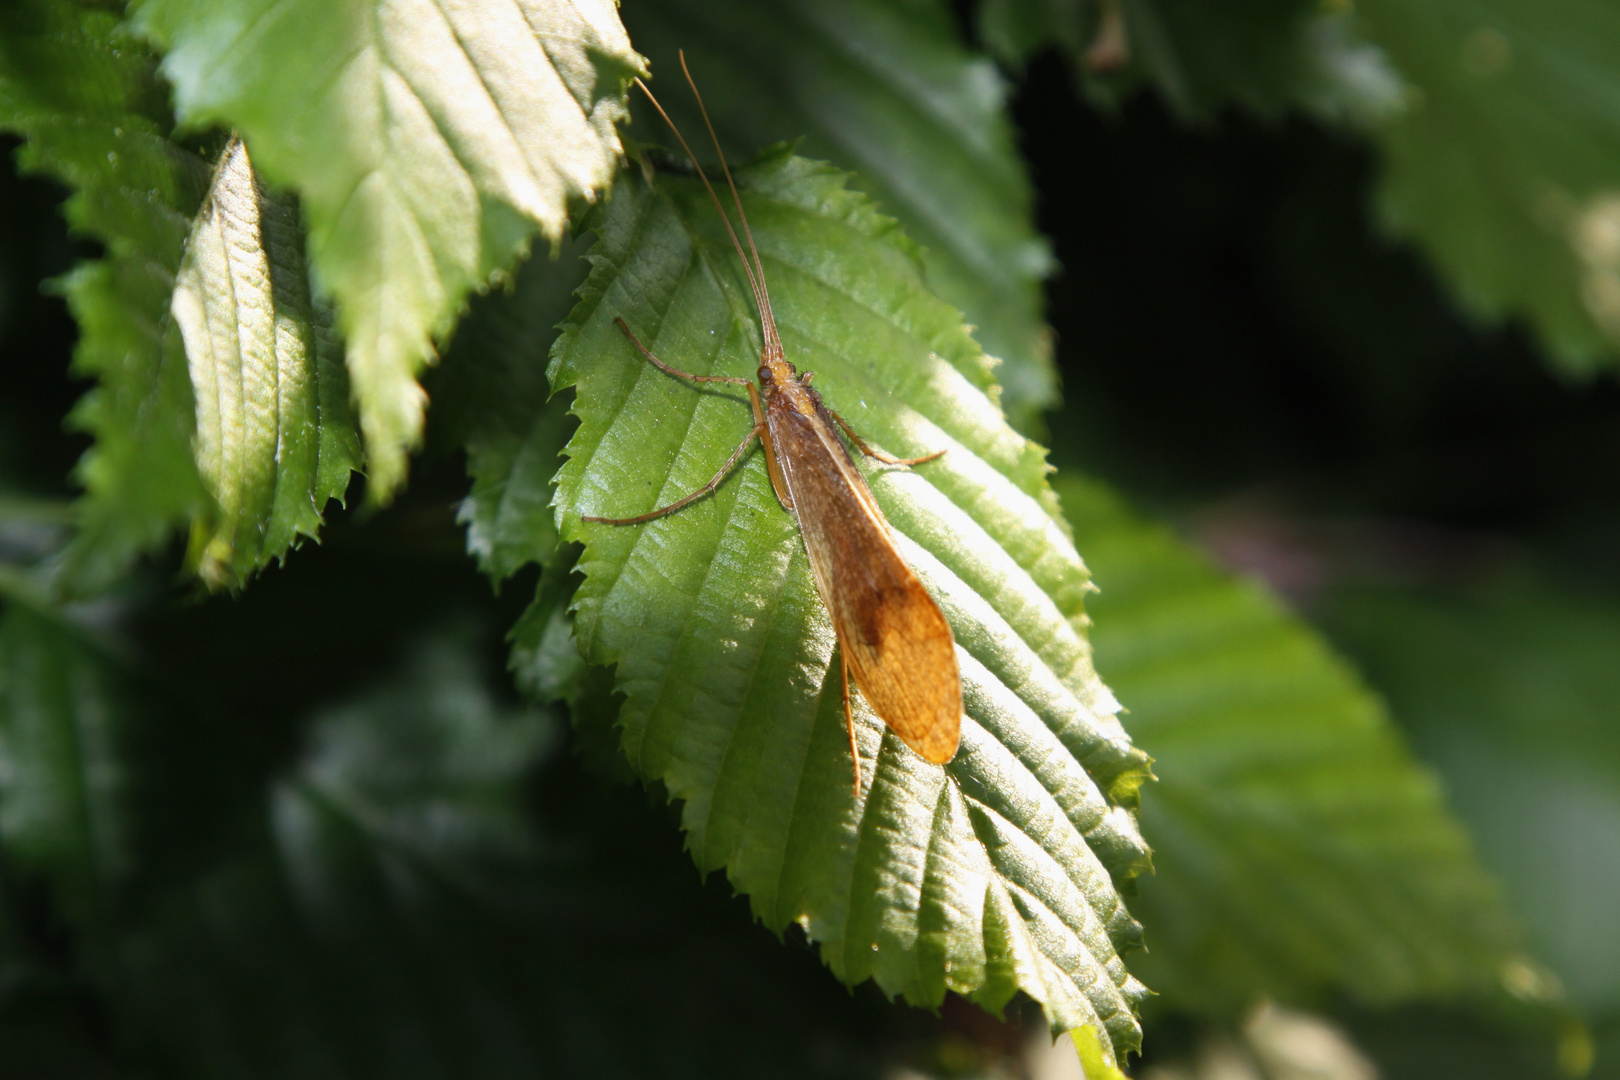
<point>731,463</point>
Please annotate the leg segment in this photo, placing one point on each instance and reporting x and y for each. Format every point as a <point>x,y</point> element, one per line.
<point>731,463</point>
<point>887,459</point>
<point>849,721</point>
<point>679,374</point>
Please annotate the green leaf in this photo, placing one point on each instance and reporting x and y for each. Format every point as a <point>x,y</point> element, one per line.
<point>1095,1062</point>
<point>66,718</point>
<point>492,398</point>
<point>87,99</point>
<point>1505,167</point>
<point>1298,847</point>
<point>882,87</point>
<point>1509,684</point>
<point>427,143</point>
<point>1267,57</point>
<point>987,876</point>
<point>275,432</point>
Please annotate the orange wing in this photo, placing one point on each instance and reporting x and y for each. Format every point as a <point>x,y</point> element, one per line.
<point>896,639</point>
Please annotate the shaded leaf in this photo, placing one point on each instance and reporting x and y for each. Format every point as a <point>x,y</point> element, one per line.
<point>1298,847</point>
<point>987,876</point>
<point>882,87</point>
<point>492,397</point>
<point>1267,57</point>
<point>427,143</point>
<point>87,98</point>
<point>275,432</point>
<point>430,892</point>
<point>66,791</point>
<point>1505,167</point>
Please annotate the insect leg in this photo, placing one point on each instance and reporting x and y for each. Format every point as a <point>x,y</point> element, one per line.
<point>772,466</point>
<point>887,459</point>
<point>849,720</point>
<point>678,373</point>
<point>731,463</point>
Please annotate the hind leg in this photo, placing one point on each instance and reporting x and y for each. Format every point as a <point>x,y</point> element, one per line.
<point>849,721</point>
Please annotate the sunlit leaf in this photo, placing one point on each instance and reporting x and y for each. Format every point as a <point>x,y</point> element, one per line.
<point>275,432</point>
<point>987,876</point>
<point>427,143</point>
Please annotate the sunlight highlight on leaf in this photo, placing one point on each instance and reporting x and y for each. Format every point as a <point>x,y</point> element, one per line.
<point>275,431</point>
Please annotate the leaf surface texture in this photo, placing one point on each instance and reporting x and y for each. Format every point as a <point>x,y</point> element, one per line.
<point>275,432</point>
<point>883,88</point>
<point>990,875</point>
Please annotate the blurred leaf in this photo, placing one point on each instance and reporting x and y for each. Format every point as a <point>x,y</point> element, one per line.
<point>987,876</point>
<point>275,431</point>
<point>425,769</point>
<point>426,143</point>
<point>1298,847</point>
<point>1510,687</point>
<point>1267,57</point>
<point>43,1035</point>
<point>415,905</point>
<point>1505,167</point>
<point>882,87</point>
<point>87,99</point>
<point>1095,1062</point>
<point>66,791</point>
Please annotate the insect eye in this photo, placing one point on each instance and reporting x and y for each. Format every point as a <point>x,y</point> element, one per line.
<point>764,373</point>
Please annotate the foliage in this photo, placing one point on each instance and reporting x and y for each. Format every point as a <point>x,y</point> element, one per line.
<point>427,146</point>
<point>985,877</point>
<point>1498,150</point>
<point>1467,665</point>
<point>305,827</point>
<point>1276,869</point>
<point>888,91</point>
<point>86,96</point>
<point>1502,165</point>
<point>275,434</point>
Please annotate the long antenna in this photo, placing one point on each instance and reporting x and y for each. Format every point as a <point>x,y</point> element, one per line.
<point>755,283</point>
<point>767,317</point>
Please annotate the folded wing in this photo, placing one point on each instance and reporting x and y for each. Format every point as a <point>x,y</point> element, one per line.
<point>899,646</point>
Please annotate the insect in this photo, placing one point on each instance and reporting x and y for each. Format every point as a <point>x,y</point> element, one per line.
<point>892,637</point>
